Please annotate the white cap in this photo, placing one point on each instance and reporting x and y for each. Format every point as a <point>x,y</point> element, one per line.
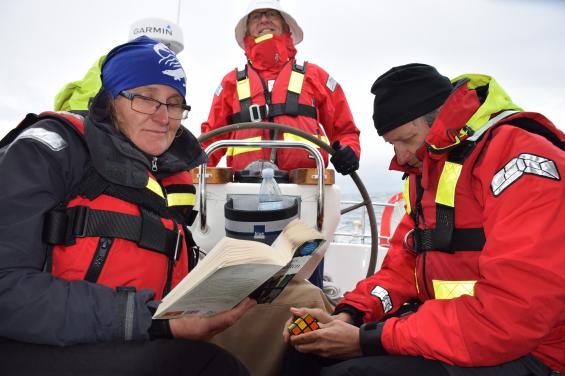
<point>241,27</point>
<point>166,32</point>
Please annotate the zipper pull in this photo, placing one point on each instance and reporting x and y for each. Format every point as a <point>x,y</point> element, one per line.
<point>154,164</point>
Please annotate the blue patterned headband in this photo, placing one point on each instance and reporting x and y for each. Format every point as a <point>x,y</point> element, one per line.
<point>143,61</point>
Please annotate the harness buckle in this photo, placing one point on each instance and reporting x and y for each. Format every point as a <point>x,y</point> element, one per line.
<point>255,113</point>
<point>409,240</point>
<point>80,219</point>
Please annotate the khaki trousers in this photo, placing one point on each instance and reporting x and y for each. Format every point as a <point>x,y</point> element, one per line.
<point>256,339</point>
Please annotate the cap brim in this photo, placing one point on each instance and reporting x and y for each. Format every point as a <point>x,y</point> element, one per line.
<point>295,30</point>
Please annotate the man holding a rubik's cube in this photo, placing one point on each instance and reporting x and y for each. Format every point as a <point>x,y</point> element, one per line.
<point>303,324</point>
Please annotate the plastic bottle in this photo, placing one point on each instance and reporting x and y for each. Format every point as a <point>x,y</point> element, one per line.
<point>270,197</point>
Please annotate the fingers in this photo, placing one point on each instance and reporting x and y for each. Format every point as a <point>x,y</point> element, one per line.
<point>320,315</point>
<point>223,320</point>
<point>285,333</point>
<point>244,306</point>
<point>306,342</point>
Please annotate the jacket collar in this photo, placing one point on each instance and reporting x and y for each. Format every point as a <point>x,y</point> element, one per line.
<point>474,101</point>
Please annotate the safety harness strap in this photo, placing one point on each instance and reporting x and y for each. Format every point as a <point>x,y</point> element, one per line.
<point>147,230</point>
<point>258,112</point>
<point>291,107</point>
<point>244,93</point>
<point>462,239</point>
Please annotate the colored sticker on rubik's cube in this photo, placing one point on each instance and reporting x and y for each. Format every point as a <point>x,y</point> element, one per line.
<point>303,324</point>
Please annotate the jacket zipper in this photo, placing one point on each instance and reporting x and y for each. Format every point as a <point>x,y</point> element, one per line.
<point>98,260</point>
<point>154,164</point>
<point>419,210</point>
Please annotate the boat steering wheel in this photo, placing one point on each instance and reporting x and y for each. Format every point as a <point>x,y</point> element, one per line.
<point>354,176</point>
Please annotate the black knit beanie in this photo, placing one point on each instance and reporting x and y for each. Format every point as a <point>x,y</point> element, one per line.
<point>405,93</point>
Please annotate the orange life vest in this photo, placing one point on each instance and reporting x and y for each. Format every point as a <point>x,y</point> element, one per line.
<point>122,236</point>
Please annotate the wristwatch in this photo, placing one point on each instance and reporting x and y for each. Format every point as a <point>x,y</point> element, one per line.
<point>370,338</point>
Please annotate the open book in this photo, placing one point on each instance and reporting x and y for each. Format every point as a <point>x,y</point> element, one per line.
<point>235,269</point>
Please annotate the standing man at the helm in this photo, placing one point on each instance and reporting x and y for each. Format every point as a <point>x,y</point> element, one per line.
<point>76,95</point>
<point>275,87</point>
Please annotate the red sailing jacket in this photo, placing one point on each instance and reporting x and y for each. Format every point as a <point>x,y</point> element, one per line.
<point>490,306</point>
<point>112,257</point>
<point>319,90</point>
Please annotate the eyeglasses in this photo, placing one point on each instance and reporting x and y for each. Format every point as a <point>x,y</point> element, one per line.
<point>270,14</point>
<point>149,106</point>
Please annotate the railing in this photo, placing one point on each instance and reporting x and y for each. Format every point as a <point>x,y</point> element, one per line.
<point>359,228</point>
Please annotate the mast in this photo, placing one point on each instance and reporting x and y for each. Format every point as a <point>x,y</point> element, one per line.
<point>178,13</point>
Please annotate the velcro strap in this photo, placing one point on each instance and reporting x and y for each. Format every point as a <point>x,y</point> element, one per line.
<point>274,110</point>
<point>422,240</point>
<point>63,226</point>
<point>445,222</point>
<point>463,239</point>
<point>126,311</point>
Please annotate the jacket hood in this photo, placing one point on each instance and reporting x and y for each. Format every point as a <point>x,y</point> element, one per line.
<point>474,100</point>
<point>119,161</point>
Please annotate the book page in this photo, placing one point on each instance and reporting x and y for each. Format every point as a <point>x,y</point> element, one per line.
<point>268,291</point>
<point>236,268</point>
<point>221,291</point>
<point>294,235</point>
<point>227,252</point>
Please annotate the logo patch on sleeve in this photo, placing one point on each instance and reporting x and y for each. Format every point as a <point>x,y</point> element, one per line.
<point>331,83</point>
<point>381,293</point>
<point>51,139</point>
<point>518,167</point>
<point>219,90</point>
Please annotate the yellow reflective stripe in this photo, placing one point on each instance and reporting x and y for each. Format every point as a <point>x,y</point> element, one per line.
<point>497,100</point>
<point>416,280</point>
<point>445,194</point>
<point>243,89</point>
<point>295,82</point>
<point>453,289</point>
<point>293,137</point>
<point>263,37</point>
<point>181,199</point>
<point>154,187</point>
<point>235,150</point>
<point>406,195</point>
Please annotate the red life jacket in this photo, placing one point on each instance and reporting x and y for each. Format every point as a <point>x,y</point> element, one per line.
<point>286,103</point>
<point>121,236</point>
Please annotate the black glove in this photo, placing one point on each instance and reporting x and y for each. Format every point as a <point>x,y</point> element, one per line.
<point>344,159</point>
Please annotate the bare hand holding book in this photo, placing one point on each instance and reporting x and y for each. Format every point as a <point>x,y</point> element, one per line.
<point>235,269</point>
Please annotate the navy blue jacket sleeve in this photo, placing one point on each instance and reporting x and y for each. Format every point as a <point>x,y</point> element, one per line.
<point>37,171</point>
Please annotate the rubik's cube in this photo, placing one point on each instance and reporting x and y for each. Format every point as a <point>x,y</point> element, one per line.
<point>303,324</point>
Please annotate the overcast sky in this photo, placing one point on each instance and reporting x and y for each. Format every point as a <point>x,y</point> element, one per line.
<point>519,42</point>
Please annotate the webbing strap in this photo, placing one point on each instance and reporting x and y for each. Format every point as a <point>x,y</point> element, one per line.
<point>462,239</point>
<point>147,230</point>
<point>291,106</point>
<point>278,109</point>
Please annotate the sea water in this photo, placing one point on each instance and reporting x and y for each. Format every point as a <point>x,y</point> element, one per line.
<point>350,222</point>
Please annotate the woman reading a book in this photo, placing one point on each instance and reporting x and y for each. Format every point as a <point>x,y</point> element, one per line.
<point>93,231</point>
